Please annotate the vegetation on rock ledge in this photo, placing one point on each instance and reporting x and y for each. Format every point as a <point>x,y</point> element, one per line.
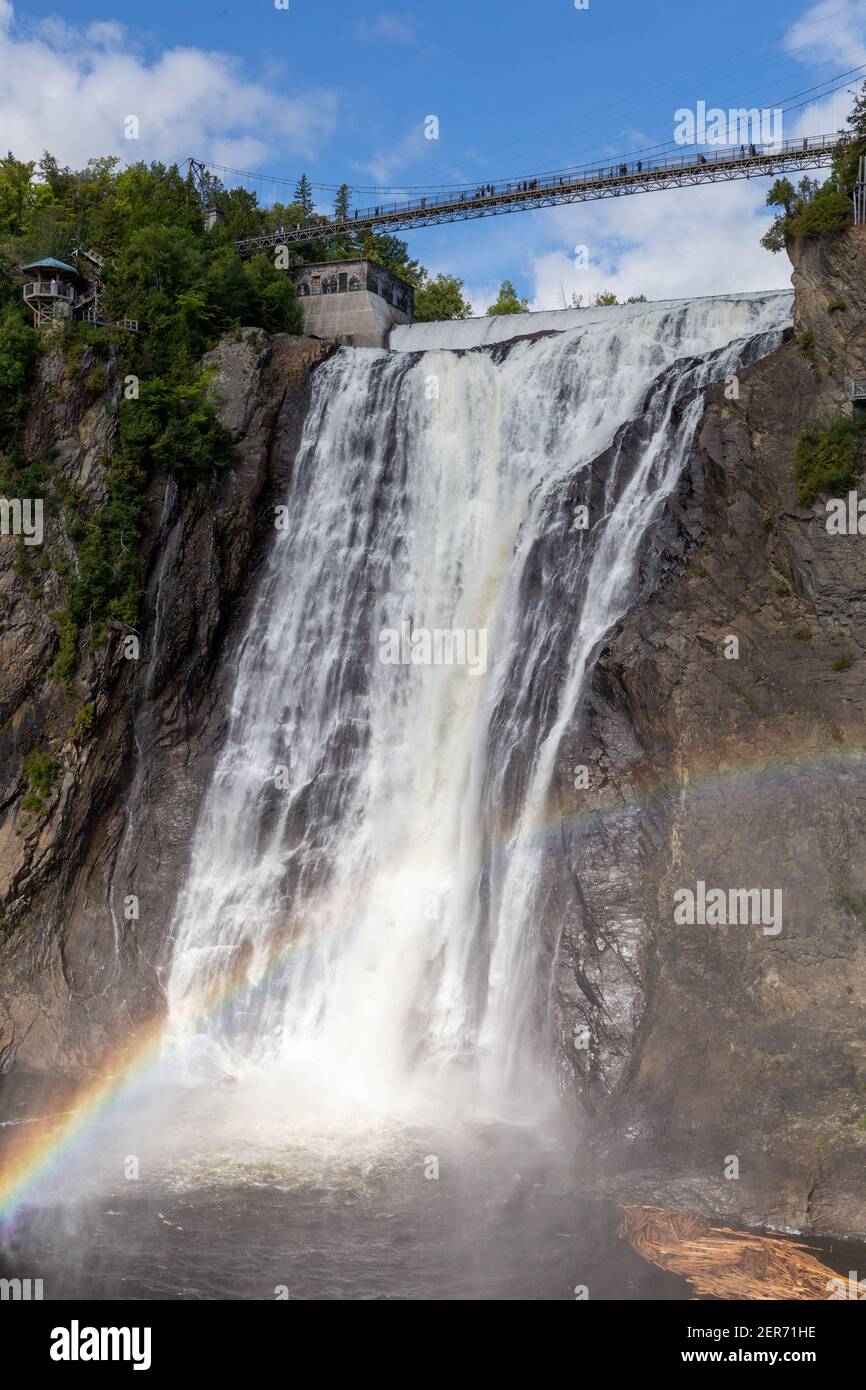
<point>814,209</point>
<point>41,771</point>
<point>829,458</point>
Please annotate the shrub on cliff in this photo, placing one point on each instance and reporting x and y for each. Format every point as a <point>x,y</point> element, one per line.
<point>41,772</point>
<point>829,458</point>
<point>816,209</point>
<point>811,210</point>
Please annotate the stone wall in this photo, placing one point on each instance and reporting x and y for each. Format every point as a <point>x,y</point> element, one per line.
<point>356,319</point>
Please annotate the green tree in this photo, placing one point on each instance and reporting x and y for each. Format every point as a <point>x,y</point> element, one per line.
<point>18,194</point>
<point>819,209</point>
<point>508,301</point>
<point>277,308</point>
<point>342,203</point>
<point>441,298</point>
<point>393,254</point>
<point>605,298</point>
<point>813,210</point>
<point>228,291</point>
<point>60,181</point>
<point>241,215</point>
<point>158,266</point>
<point>304,196</point>
<point>19,349</point>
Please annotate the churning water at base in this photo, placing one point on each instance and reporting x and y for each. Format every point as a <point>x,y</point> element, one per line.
<point>258,1212</point>
<point>361,913</point>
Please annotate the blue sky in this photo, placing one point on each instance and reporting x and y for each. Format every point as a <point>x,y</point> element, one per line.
<point>341,89</point>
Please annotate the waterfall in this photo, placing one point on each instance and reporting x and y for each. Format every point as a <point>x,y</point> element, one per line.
<point>362,910</point>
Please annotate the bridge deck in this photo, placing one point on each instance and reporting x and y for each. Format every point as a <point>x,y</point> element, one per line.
<point>577,186</point>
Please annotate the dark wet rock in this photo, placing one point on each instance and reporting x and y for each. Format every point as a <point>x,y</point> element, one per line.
<point>713,1043</point>
<point>76,975</point>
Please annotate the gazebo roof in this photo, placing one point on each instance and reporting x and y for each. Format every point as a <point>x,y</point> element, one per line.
<point>49,263</point>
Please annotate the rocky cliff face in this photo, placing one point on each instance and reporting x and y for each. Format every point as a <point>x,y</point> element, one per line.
<point>686,1047</point>
<point>725,1067</point>
<point>78,971</point>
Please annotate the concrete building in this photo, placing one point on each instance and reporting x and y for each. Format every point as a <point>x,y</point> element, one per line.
<point>356,302</point>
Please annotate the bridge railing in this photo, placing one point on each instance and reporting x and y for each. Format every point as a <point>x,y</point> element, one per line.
<point>596,180</point>
<point>597,173</point>
<point>48,289</point>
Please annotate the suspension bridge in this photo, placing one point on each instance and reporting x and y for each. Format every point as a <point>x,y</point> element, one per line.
<point>590,183</point>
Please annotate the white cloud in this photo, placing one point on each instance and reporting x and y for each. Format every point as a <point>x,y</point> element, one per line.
<point>106,32</point>
<point>69,91</point>
<point>384,164</point>
<point>823,117</point>
<point>828,32</point>
<point>676,244</point>
<point>393,28</point>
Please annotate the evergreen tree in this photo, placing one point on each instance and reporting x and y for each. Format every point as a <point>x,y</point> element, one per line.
<point>341,203</point>
<point>304,196</point>
<point>508,301</point>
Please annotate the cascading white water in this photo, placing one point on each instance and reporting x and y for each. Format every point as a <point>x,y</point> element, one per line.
<point>360,907</point>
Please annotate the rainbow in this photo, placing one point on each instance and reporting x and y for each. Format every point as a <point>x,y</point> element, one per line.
<point>35,1159</point>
